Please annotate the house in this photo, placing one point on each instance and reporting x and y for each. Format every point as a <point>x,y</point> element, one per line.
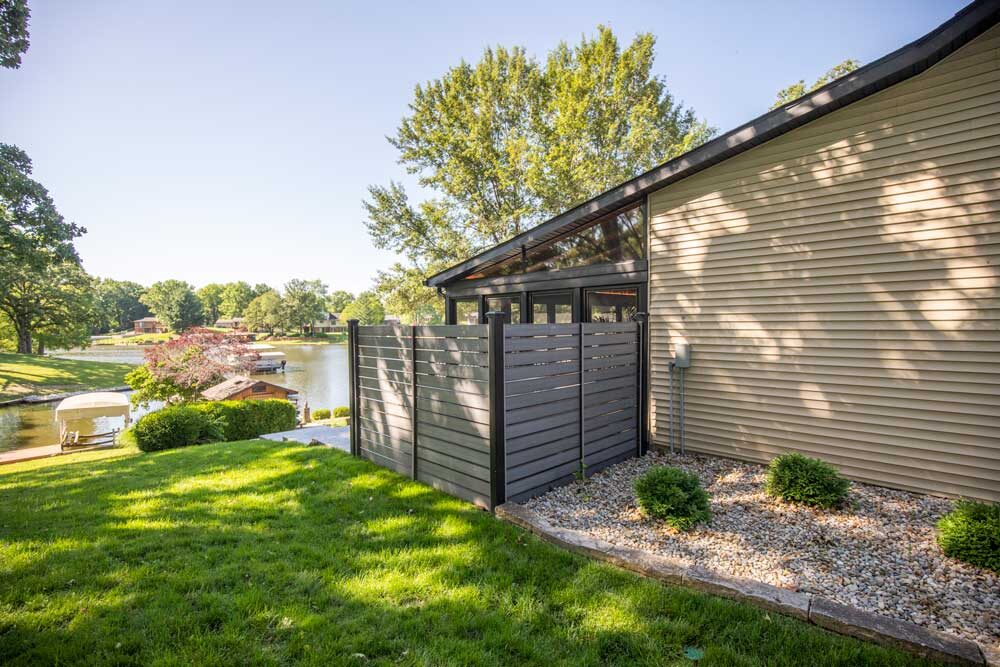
<point>833,265</point>
<point>229,323</point>
<point>326,324</point>
<point>241,387</point>
<point>148,325</point>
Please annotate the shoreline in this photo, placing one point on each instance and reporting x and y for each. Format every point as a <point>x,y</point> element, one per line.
<point>35,399</point>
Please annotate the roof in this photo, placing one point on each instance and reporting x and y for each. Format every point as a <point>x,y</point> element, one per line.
<point>234,385</point>
<point>94,404</point>
<point>887,71</point>
<point>147,319</point>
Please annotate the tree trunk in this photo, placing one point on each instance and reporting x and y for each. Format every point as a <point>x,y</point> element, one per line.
<point>41,348</point>
<point>23,336</point>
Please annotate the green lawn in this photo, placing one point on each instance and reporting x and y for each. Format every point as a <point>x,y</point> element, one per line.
<point>25,375</point>
<point>276,554</point>
<point>138,339</point>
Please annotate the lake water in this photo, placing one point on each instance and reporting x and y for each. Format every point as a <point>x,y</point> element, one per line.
<point>317,372</point>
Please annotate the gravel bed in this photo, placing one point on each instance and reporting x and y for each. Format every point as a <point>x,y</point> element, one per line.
<point>877,554</point>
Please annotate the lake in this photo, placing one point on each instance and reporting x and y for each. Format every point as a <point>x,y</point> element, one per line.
<point>317,372</point>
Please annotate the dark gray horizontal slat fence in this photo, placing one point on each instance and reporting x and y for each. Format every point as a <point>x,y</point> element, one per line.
<point>571,402</point>
<point>422,404</point>
<point>560,400</point>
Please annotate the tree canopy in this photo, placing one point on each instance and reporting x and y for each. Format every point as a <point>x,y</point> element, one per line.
<point>265,313</point>
<point>234,299</point>
<point>174,304</point>
<point>798,89</point>
<point>508,141</point>
<point>367,309</point>
<point>36,244</point>
<point>338,300</point>
<point>118,304</point>
<point>14,15</point>
<point>304,302</point>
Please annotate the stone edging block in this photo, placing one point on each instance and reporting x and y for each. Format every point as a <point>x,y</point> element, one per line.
<point>814,609</point>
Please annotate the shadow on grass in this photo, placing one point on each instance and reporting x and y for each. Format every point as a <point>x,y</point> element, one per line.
<point>260,553</point>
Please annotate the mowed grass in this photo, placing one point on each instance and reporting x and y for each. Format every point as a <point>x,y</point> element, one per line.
<point>26,375</point>
<point>276,554</point>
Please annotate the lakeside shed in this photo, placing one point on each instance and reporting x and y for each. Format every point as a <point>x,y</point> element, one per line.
<point>241,387</point>
<point>148,325</point>
<point>833,264</point>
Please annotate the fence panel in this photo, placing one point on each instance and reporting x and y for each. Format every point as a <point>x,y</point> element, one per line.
<point>610,394</point>
<point>452,410</point>
<point>543,409</point>
<point>384,402</point>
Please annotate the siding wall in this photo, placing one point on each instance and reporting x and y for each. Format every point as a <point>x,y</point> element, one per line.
<point>839,286</point>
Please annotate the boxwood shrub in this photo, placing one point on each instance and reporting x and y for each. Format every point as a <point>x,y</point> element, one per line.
<point>321,413</point>
<point>342,411</point>
<point>971,533</point>
<point>673,496</point>
<point>801,479</point>
<point>243,420</point>
<point>175,426</point>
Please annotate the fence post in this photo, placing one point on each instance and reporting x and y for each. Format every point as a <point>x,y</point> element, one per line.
<point>582,466</point>
<point>352,379</point>
<point>642,446</point>
<point>413,400</point>
<point>498,459</point>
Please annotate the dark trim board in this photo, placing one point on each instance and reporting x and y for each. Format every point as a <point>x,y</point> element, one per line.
<point>887,71</point>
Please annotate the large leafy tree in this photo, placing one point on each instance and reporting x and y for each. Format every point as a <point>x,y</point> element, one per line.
<point>367,309</point>
<point>36,245</point>
<point>265,313</point>
<point>49,304</point>
<point>210,297</point>
<point>14,15</point>
<point>234,299</point>
<point>118,304</point>
<point>506,142</point>
<point>402,291</point>
<point>338,300</point>
<point>174,303</point>
<point>304,302</point>
<point>798,89</point>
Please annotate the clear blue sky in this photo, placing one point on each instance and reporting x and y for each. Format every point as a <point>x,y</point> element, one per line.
<point>214,141</point>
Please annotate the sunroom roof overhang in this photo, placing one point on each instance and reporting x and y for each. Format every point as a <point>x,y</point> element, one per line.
<point>887,71</point>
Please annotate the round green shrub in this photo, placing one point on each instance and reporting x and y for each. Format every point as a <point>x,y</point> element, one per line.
<point>245,420</point>
<point>673,496</point>
<point>342,411</point>
<point>801,479</point>
<point>321,413</point>
<point>175,426</point>
<point>971,533</point>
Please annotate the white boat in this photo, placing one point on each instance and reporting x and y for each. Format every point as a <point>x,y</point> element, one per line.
<point>89,406</point>
<point>270,362</point>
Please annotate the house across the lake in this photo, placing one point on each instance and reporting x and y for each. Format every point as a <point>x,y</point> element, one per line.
<point>241,387</point>
<point>834,265</point>
<point>326,324</point>
<point>229,323</point>
<point>148,325</point>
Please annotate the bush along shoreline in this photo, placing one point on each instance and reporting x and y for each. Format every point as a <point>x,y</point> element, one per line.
<point>197,423</point>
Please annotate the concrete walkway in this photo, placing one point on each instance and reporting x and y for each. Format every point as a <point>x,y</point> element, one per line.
<point>338,437</point>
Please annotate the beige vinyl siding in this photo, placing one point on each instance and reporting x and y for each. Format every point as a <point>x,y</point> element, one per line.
<point>839,286</point>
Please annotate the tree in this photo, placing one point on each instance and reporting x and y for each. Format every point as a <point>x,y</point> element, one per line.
<point>507,142</point>
<point>36,244</point>
<point>210,297</point>
<point>338,300</point>
<point>797,90</point>
<point>260,288</point>
<point>118,304</point>
<point>14,15</point>
<point>174,303</point>
<point>235,297</point>
<point>265,313</point>
<point>402,290</point>
<point>304,302</point>
<point>180,369</point>
<point>366,309</point>
<point>48,304</point>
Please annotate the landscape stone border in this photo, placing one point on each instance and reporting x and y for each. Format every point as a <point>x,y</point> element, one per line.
<point>815,609</point>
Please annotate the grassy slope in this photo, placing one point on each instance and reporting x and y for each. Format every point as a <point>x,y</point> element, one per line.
<point>263,553</point>
<point>24,375</point>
